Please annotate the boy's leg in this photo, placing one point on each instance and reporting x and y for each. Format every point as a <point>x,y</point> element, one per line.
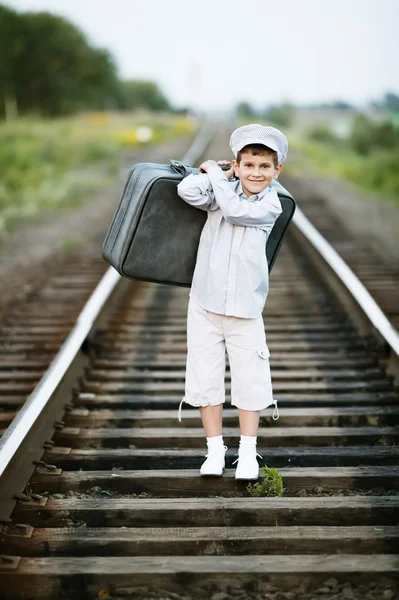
<point>206,359</point>
<point>249,421</point>
<point>204,387</point>
<point>251,388</point>
<point>211,417</point>
<point>251,385</point>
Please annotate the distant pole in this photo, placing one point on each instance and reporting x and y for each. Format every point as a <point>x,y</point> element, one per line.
<point>193,84</point>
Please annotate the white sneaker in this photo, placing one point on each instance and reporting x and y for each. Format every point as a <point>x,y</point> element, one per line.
<point>248,467</point>
<point>215,461</point>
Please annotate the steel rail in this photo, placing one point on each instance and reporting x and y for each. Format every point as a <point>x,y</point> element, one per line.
<point>41,395</point>
<point>347,277</point>
<point>38,399</point>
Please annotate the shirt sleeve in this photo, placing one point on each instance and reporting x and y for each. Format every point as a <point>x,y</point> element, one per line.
<point>197,191</point>
<point>261,214</point>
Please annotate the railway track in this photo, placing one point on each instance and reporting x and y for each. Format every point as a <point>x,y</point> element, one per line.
<point>31,336</point>
<point>379,276</point>
<point>115,506</point>
<point>33,330</point>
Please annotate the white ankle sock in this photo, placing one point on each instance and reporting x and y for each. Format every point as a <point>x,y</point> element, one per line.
<point>248,439</point>
<point>214,442</point>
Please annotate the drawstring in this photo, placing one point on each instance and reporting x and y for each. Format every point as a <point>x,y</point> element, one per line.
<point>275,412</point>
<point>179,411</point>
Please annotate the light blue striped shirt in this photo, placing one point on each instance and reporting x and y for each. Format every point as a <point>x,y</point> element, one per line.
<point>231,275</point>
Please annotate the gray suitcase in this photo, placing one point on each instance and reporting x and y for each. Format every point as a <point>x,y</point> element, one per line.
<point>154,234</point>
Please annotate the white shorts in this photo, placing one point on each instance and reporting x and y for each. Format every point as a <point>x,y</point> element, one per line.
<point>208,336</point>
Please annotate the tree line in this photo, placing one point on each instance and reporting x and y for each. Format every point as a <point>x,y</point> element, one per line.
<point>48,67</point>
<point>284,114</point>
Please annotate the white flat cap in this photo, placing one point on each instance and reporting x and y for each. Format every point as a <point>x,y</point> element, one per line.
<point>259,134</point>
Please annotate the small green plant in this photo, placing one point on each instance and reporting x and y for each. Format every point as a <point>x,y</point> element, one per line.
<point>270,485</point>
<point>67,243</point>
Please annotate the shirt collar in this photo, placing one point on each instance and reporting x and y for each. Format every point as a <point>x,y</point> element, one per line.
<point>238,190</point>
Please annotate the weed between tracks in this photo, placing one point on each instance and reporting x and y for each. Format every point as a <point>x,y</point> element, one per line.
<point>270,485</point>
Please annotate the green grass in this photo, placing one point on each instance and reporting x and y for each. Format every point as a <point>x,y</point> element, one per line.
<point>58,164</point>
<point>271,484</point>
<point>377,173</point>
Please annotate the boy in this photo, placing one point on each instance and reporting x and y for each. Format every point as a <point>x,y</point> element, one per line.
<point>229,290</point>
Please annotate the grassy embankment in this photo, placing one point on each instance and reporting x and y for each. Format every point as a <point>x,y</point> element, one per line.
<point>58,164</point>
<point>368,158</point>
<point>377,172</point>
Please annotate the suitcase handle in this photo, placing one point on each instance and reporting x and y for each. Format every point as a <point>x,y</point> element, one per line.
<point>181,169</point>
<point>185,170</point>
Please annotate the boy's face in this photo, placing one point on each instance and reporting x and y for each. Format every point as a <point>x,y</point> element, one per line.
<point>256,172</point>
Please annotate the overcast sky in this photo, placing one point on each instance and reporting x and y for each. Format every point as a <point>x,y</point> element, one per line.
<point>212,54</point>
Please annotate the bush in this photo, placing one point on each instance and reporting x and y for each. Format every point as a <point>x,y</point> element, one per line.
<point>368,135</point>
<point>244,110</point>
<point>369,157</point>
<point>379,172</point>
<point>270,485</point>
<point>322,133</point>
<point>282,115</point>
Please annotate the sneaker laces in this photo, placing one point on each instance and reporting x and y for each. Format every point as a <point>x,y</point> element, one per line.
<point>214,450</point>
<point>237,459</point>
<point>275,411</point>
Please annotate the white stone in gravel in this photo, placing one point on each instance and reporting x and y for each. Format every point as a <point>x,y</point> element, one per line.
<point>220,596</point>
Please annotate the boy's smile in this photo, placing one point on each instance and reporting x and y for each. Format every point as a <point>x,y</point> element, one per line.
<point>256,172</point>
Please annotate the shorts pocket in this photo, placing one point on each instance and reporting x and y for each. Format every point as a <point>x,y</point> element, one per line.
<point>263,352</point>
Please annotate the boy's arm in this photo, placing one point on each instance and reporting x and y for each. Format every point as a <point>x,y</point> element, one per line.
<point>262,214</point>
<point>197,191</point>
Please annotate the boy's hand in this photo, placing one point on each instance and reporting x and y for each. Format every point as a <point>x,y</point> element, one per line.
<point>207,165</point>
<point>211,163</point>
<point>228,173</point>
